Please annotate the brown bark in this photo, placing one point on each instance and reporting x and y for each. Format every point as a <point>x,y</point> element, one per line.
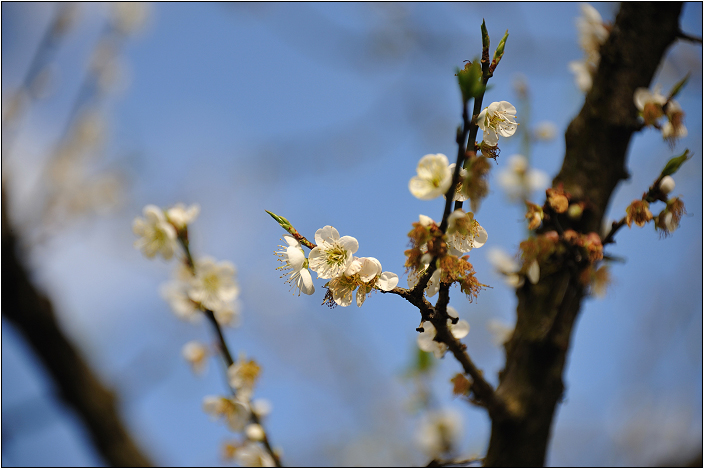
<point>33,314</point>
<point>596,146</point>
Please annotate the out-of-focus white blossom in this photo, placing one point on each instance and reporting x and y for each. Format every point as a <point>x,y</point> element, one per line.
<point>261,407</point>
<point>235,412</point>
<point>180,216</point>
<point>643,96</point>
<point>213,285</point>
<point>591,29</point>
<point>592,34</point>
<point>426,338</point>
<point>295,266</point>
<point>252,454</point>
<point>673,128</point>
<point>506,266</point>
<point>333,254</point>
<point>520,181</point>
<point>155,232</point>
<point>434,177</point>
<point>582,74</point>
<point>196,355</point>
<point>242,375</point>
<point>254,432</point>
<point>228,314</point>
<point>499,330</point>
<point>498,119</point>
<point>439,433</point>
<point>545,131</point>
<point>175,292</point>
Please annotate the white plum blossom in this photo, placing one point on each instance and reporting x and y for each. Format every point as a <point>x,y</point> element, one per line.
<point>439,433</point>
<point>213,285</point>
<point>464,233</point>
<point>156,234</point>
<point>460,196</point>
<point>184,293</point>
<point>175,292</point>
<point>592,34</point>
<point>364,274</point>
<point>673,128</point>
<point>667,184</point>
<point>545,131</point>
<point>295,266</point>
<point>519,180</point>
<point>235,412</point>
<point>252,454</point>
<point>643,96</point>
<point>196,355</point>
<point>414,276</point>
<point>498,119</point>
<point>582,74</point>
<point>433,285</point>
<point>242,375</point>
<point>254,432</point>
<point>333,254</point>
<point>426,338</point>
<point>591,29</point>
<point>228,314</point>
<point>434,177</point>
<point>371,276</point>
<point>500,331</point>
<point>180,216</point>
<point>261,407</point>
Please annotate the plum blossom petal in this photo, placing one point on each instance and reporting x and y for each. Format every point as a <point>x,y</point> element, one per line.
<point>295,266</point>
<point>332,255</point>
<point>434,177</point>
<point>498,119</point>
<point>156,234</point>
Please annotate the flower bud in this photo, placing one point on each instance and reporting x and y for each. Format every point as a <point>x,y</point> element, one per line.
<point>254,432</point>
<point>575,211</point>
<point>667,184</point>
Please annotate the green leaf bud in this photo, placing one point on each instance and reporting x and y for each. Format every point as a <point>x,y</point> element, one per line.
<point>674,164</point>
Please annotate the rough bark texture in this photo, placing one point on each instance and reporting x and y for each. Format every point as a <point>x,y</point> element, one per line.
<point>33,314</point>
<point>596,146</point>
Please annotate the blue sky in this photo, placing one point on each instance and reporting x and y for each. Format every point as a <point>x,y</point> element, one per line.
<point>320,112</point>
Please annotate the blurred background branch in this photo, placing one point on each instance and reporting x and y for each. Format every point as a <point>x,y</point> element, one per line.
<point>33,314</point>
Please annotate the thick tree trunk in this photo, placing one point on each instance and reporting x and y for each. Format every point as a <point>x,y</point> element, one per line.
<point>596,146</point>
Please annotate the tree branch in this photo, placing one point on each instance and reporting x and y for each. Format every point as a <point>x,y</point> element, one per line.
<point>79,387</point>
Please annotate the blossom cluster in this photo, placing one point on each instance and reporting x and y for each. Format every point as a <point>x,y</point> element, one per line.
<point>242,415</point>
<point>332,258</point>
<point>207,286</point>
<point>668,220</point>
<point>592,34</point>
<point>428,242</point>
<point>653,106</point>
<point>198,285</point>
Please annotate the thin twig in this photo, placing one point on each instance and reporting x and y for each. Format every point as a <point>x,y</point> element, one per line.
<point>482,389</point>
<point>225,350</point>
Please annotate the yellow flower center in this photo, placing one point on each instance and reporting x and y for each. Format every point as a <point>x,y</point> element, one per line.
<point>337,255</point>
